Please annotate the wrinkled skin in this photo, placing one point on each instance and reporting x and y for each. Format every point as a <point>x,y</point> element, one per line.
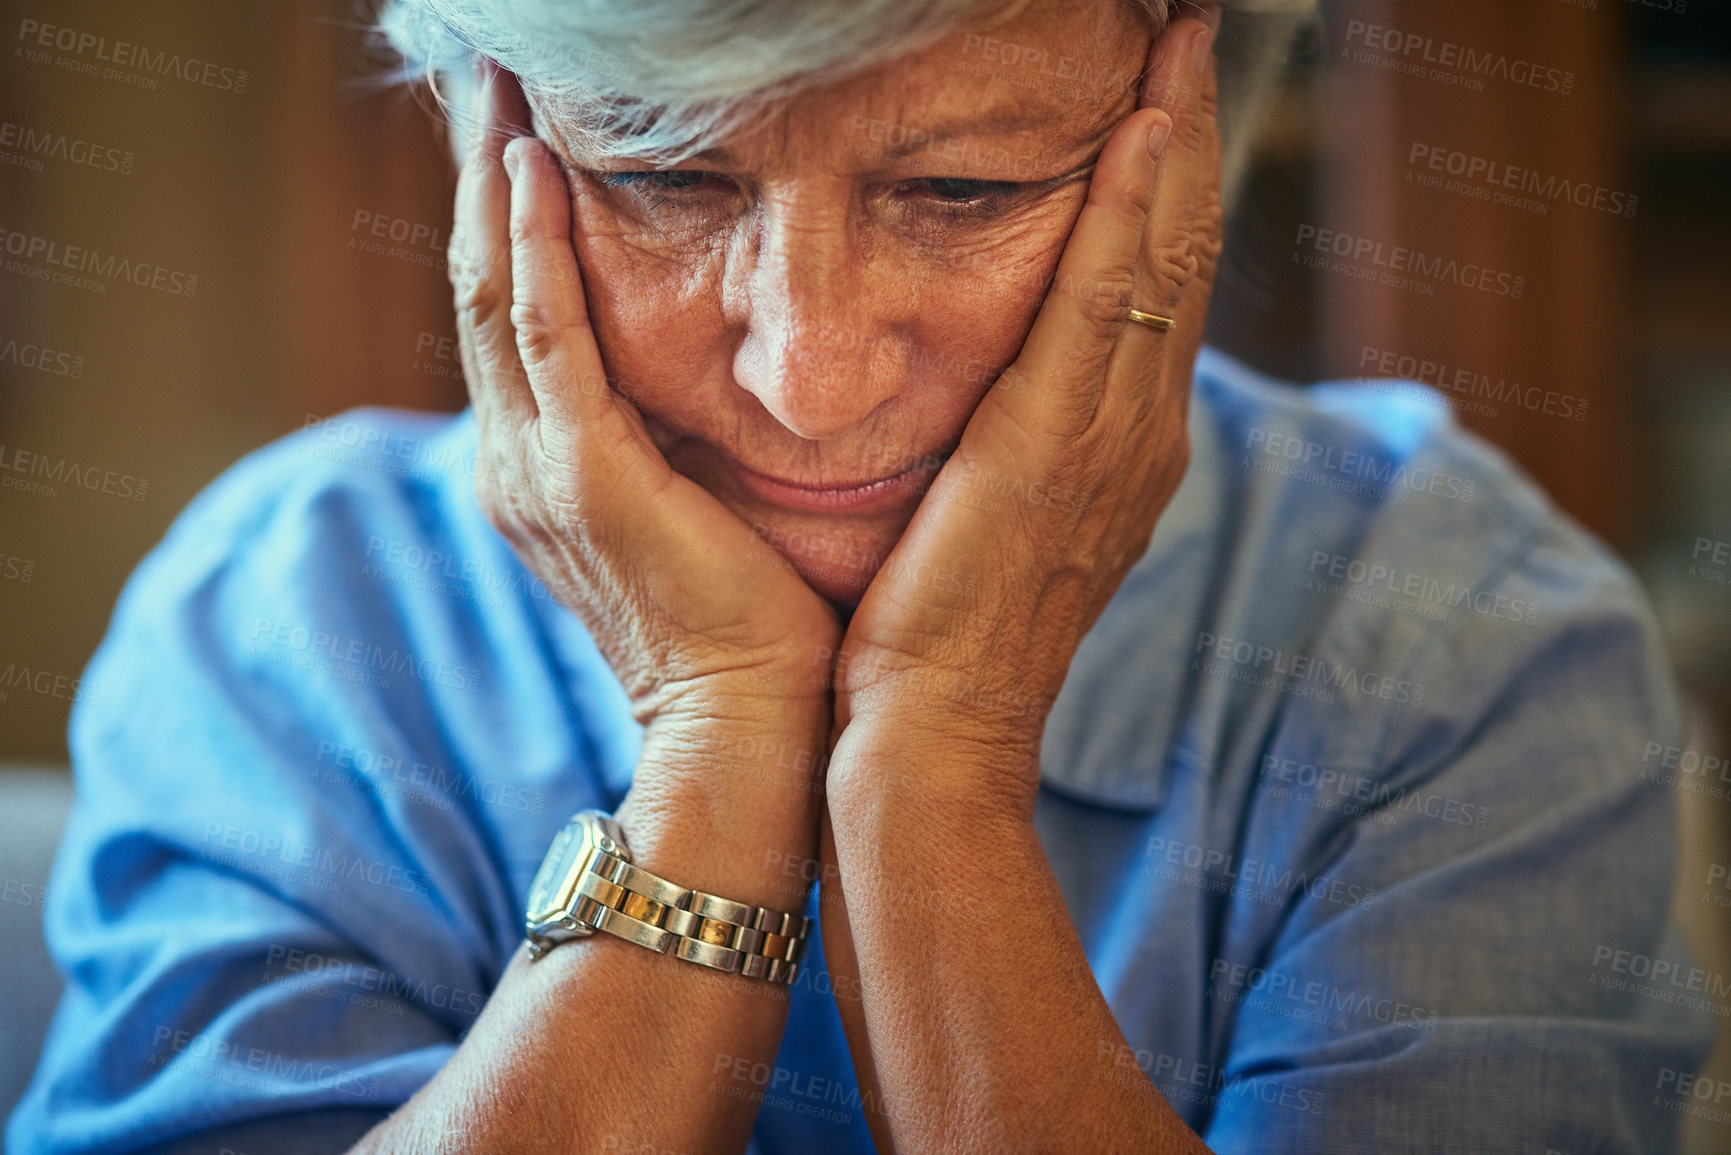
<point>640,356</point>
<point>811,303</point>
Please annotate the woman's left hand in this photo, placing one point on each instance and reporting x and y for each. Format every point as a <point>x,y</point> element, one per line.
<point>967,631</point>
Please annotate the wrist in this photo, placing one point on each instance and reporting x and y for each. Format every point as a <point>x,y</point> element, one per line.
<point>968,701</point>
<point>933,759</point>
<point>789,683</point>
<point>730,804</point>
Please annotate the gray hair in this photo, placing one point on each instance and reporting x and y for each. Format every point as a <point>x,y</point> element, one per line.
<point>665,79</point>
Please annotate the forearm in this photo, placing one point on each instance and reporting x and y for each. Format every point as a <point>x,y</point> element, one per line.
<point>602,1039</point>
<point>985,1027</point>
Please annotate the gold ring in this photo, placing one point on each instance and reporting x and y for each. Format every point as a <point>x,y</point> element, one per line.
<point>1164,324</point>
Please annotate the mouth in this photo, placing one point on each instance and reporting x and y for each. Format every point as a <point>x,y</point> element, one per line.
<point>869,495</point>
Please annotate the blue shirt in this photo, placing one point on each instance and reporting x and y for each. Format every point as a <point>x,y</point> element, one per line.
<point>1355,793</point>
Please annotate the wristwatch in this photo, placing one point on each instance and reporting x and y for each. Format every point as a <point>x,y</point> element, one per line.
<point>588,883</point>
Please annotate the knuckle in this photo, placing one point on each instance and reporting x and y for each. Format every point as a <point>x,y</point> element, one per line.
<point>1173,263</point>
<point>1210,239</point>
<point>1099,301</point>
<point>537,336</point>
<point>475,294</point>
<point>1208,104</point>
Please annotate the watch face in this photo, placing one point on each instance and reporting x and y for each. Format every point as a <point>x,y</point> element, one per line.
<point>550,893</point>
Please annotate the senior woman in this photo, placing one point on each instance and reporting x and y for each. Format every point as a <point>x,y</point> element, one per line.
<point>872,521</point>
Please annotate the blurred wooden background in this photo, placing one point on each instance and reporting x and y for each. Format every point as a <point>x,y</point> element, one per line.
<point>271,196</point>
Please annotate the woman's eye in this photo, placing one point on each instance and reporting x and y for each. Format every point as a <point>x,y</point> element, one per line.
<point>681,188</point>
<point>957,189</point>
<point>673,180</point>
<point>962,197</point>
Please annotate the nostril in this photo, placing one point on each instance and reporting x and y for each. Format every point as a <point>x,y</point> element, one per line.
<point>823,380</point>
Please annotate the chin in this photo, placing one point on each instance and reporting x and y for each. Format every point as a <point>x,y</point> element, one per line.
<point>838,558</point>
<point>841,589</point>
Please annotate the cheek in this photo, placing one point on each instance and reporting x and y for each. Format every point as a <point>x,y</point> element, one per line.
<point>656,310</point>
<point>977,300</point>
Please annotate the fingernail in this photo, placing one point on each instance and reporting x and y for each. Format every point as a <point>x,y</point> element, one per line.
<point>511,160</point>
<point>1200,50</point>
<point>1158,136</point>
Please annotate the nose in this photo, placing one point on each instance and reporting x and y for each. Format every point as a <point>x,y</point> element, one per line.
<point>824,342</point>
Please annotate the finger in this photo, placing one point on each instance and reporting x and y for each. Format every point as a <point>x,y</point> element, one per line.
<point>1078,322</point>
<point>1148,378</point>
<point>479,262</point>
<point>1169,257</point>
<point>1102,272</point>
<point>1208,199</point>
<point>581,418</point>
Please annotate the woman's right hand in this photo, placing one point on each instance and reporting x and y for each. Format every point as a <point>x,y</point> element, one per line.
<point>697,615</point>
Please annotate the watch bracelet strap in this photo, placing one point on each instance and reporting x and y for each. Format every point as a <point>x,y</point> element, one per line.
<point>628,902</point>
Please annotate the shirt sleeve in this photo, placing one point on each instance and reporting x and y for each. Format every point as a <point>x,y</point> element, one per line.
<point>261,953</point>
<point>1467,978</point>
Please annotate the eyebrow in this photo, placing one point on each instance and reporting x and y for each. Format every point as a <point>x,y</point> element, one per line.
<point>904,139</point>
<point>912,138</point>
